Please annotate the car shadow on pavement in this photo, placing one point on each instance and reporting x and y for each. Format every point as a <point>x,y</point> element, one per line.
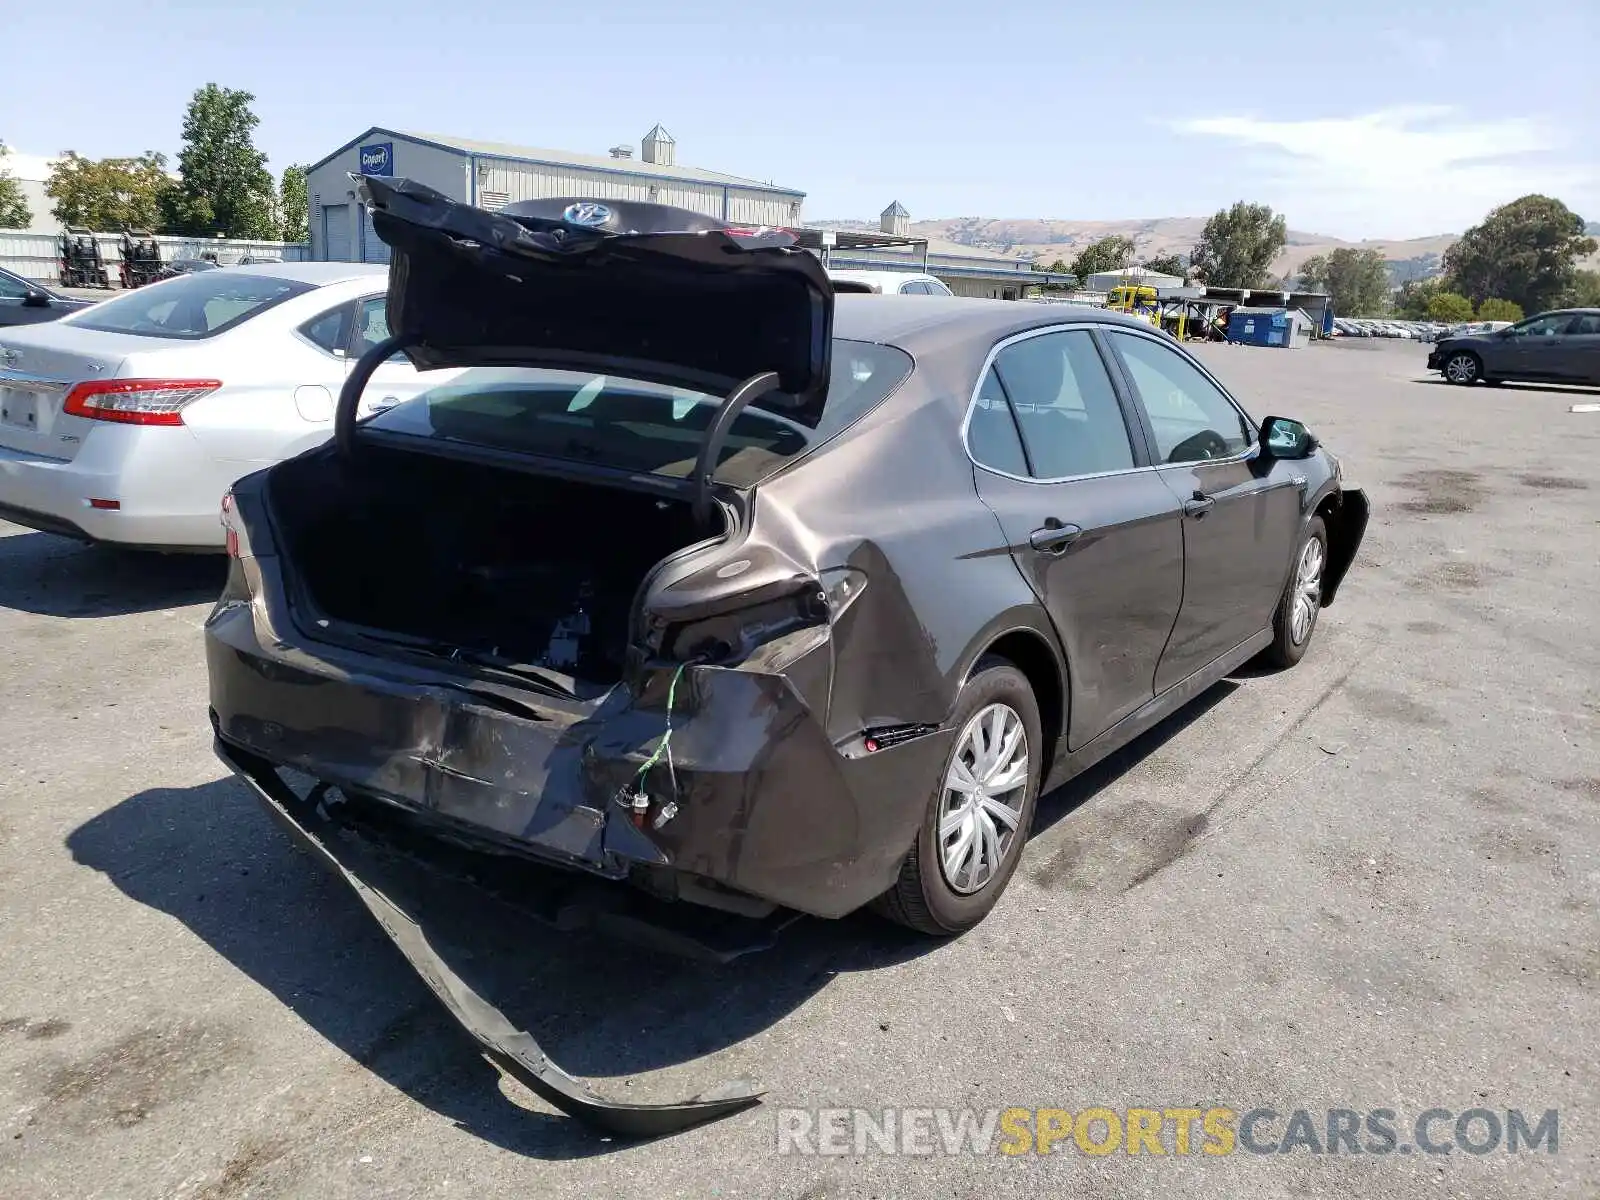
<point>1065,800</point>
<point>208,856</point>
<point>58,577</point>
<point>1555,389</point>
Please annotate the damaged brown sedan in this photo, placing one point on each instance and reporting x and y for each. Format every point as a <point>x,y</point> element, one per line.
<point>703,580</point>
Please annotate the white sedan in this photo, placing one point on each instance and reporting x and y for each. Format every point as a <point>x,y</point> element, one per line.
<point>126,422</point>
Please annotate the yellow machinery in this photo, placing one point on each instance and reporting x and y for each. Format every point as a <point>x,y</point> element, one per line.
<point>1135,300</point>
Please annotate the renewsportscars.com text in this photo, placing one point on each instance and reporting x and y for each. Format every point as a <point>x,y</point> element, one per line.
<point>1176,1131</point>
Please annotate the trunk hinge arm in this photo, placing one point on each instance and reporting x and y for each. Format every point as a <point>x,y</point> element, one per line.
<point>344,416</point>
<point>705,463</point>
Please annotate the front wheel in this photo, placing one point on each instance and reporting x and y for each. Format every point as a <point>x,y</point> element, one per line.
<point>1462,367</point>
<point>1296,618</point>
<point>980,812</point>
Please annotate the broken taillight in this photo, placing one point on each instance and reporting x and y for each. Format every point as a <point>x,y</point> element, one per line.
<point>136,401</point>
<point>230,530</point>
<point>731,635</point>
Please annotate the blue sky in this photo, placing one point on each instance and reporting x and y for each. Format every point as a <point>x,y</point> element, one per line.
<point>1356,118</point>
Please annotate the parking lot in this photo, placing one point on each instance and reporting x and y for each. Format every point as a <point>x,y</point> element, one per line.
<point>1371,882</point>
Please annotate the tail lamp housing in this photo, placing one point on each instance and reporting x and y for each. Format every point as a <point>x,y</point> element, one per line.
<point>136,401</point>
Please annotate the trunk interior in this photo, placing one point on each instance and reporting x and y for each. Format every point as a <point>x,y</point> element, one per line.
<point>530,570</point>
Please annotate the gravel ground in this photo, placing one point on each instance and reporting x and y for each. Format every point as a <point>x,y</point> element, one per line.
<point>1367,883</point>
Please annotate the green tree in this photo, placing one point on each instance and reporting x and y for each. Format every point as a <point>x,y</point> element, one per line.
<point>1449,307</point>
<point>109,194</point>
<point>1357,281</point>
<point>1237,246</point>
<point>14,210</point>
<point>293,205</point>
<point>1495,309</point>
<point>1585,290</point>
<point>1523,251</point>
<point>1107,254</point>
<point>225,187</point>
<point>1165,264</point>
<point>1412,300</point>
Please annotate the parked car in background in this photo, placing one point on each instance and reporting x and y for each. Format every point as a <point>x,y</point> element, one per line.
<point>887,283</point>
<point>24,302</point>
<point>126,421</point>
<point>1557,347</point>
<point>186,266</point>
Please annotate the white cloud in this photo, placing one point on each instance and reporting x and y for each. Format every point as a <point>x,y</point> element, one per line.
<point>1403,172</point>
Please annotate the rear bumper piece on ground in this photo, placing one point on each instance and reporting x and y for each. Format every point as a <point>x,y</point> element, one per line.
<point>511,1049</point>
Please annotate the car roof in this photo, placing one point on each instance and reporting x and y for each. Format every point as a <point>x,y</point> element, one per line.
<point>319,274</point>
<point>896,319</point>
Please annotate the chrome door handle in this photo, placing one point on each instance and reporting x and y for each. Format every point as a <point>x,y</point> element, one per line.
<point>1198,505</point>
<point>1054,536</point>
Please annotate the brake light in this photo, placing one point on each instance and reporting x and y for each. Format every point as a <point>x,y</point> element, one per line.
<point>137,401</point>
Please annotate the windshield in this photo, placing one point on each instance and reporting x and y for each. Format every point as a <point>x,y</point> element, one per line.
<point>637,426</point>
<point>198,305</point>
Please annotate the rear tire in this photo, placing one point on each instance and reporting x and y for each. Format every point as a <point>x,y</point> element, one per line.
<point>934,894</point>
<point>1463,367</point>
<point>1296,617</point>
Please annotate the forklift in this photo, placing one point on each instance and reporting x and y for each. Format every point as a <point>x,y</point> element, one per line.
<point>81,263</point>
<point>141,258</point>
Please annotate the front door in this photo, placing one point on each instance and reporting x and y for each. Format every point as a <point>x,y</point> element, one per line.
<point>1091,527</point>
<point>1241,514</point>
<point>1538,348</point>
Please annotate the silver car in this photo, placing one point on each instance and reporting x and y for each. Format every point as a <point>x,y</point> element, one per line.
<point>126,422</point>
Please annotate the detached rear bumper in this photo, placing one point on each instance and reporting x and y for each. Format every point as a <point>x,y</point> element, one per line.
<point>755,799</point>
<point>511,1049</point>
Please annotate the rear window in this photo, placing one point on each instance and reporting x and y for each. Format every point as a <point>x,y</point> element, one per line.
<point>200,305</point>
<point>638,426</point>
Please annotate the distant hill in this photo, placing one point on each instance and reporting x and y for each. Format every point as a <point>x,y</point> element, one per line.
<point>1052,239</point>
<point>1047,239</point>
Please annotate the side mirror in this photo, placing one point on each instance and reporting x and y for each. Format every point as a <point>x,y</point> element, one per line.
<point>35,298</point>
<point>1282,437</point>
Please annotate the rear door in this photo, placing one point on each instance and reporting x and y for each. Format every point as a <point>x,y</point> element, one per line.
<point>1583,340</point>
<point>396,380</point>
<point>1090,525</point>
<point>1241,515</point>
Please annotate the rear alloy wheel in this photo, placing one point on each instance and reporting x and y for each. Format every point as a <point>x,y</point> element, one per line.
<point>979,816</point>
<point>1296,618</point>
<point>1462,367</point>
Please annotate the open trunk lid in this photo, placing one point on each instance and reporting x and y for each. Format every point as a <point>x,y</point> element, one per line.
<point>648,291</point>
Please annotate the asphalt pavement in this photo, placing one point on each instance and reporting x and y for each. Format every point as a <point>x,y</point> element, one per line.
<point>1368,883</point>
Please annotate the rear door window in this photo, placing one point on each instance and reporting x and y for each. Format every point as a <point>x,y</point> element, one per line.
<point>1066,407</point>
<point>330,331</point>
<point>190,307</point>
<point>992,437</point>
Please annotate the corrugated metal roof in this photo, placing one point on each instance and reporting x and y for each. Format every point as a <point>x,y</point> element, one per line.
<point>627,166</point>
<point>941,247</point>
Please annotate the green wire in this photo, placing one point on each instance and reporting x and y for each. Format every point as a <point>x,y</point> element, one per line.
<point>666,739</point>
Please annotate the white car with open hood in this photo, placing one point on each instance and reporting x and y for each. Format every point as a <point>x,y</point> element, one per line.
<point>125,423</point>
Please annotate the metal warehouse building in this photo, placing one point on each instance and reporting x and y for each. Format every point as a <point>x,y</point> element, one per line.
<point>965,270</point>
<point>491,174</point>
